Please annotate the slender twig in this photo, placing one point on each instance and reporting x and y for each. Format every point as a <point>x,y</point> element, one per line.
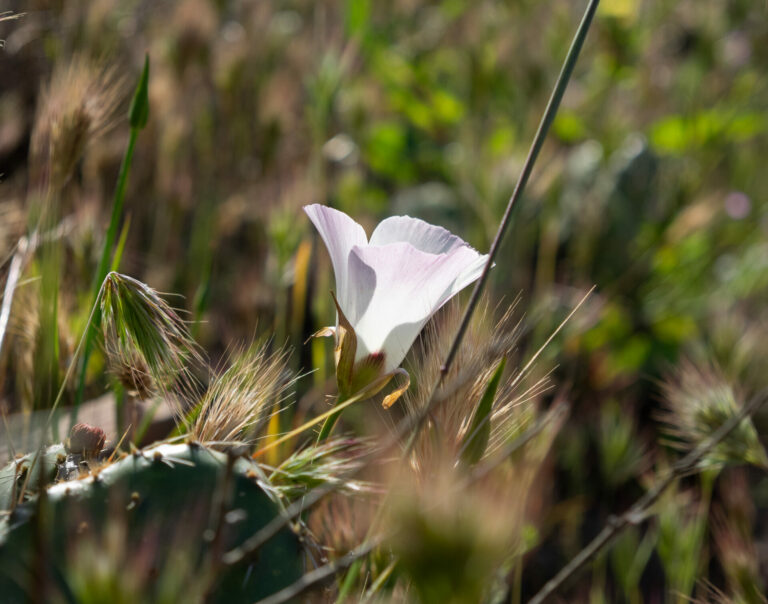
<point>639,511</point>
<point>413,423</point>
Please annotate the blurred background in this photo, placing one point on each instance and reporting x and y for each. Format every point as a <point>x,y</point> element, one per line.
<point>652,186</point>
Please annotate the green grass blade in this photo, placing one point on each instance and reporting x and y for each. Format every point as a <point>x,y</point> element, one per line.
<point>476,440</point>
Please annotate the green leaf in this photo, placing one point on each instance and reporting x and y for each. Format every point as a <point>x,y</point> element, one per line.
<point>139,111</point>
<point>476,440</point>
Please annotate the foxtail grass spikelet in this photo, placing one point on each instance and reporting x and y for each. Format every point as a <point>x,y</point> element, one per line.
<point>77,105</point>
<point>320,464</point>
<point>236,406</point>
<point>698,401</point>
<point>450,542</point>
<point>146,340</point>
<point>340,522</point>
<point>465,383</point>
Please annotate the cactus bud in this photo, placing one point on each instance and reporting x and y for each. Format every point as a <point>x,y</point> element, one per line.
<point>86,440</point>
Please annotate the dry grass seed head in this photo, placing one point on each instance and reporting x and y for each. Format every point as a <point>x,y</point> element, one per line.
<point>485,344</point>
<point>132,372</point>
<point>143,335</point>
<point>77,105</point>
<point>698,401</point>
<point>327,462</point>
<point>239,401</point>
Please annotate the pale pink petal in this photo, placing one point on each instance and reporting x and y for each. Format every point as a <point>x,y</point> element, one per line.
<point>402,287</point>
<point>473,268</point>
<point>340,233</point>
<point>421,235</point>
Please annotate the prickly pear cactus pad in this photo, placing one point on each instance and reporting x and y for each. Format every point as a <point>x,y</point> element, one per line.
<point>165,503</point>
<point>22,475</point>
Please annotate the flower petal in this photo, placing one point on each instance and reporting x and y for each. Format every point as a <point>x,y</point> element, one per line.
<point>409,285</point>
<point>340,233</point>
<point>471,273</point>
<point>421,235</point>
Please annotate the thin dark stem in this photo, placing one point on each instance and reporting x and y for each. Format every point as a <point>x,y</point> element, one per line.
<point>639,511</point>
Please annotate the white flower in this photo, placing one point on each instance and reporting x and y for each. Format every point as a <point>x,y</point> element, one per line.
<point>389,286</point>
